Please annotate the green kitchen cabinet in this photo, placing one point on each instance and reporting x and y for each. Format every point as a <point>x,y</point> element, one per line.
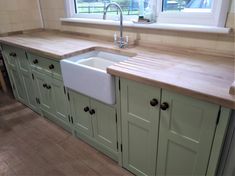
<point>13,57</point>
<point>94,122</point>
<point>27,80</point>
<point>140,120</point>
<point>104,124</point>
<point>60,101</point>
<point>80,105</point>
<point>44,92</point>
<point>52,98</point>
<point>18,85</point>
<point>186,135</point>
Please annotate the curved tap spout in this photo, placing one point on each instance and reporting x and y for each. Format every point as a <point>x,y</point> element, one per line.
<point>121,42</point>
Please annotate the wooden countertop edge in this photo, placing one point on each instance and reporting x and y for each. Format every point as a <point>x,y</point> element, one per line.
<point>232,88</point>
<point>189,92</point>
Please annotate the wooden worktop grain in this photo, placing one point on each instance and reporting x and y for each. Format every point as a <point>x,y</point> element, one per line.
<point>201,76</point>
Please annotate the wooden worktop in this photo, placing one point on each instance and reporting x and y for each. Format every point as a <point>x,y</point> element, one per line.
<point>201,76</point>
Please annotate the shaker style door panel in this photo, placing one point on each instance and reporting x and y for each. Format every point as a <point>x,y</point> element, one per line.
<point>82,119</point>
<point>60,101</point>
<point>140,119</point>
<point>186,134</point>
<point>44,91</point>
<point>104,124</point>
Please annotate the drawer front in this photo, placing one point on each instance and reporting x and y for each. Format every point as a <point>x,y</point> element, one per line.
<point>12,53</point>
<point>43,64</point>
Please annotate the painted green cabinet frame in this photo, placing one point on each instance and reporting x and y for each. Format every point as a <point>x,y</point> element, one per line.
<point>184,139</point>
<point>95,122</point>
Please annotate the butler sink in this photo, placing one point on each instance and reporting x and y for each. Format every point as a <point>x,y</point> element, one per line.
<point>86,73</point>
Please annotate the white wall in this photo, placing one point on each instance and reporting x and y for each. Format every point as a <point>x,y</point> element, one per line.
<point>233,6</point>
<point>16,15</point>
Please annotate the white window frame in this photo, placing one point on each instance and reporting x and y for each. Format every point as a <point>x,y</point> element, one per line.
<point>70,11</point>
<point>215,17</point>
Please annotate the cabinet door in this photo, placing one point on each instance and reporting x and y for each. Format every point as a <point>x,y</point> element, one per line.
<point>60,101</point>
<point>140,122</point>
<point>14,74</point>
<point>104,124</point>
<point>17,84</point>
<point>27,79</point>
<point>186,133</point>
<point>44,90</point>
<point>82,119</point>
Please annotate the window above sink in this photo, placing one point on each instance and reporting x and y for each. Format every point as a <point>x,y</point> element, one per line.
<point>192,12</point>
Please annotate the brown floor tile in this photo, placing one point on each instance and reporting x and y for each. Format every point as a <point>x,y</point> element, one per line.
<point>33,146</point>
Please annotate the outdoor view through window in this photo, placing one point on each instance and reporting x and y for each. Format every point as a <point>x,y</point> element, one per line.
<point>187,5</point>
<point>135,7</point>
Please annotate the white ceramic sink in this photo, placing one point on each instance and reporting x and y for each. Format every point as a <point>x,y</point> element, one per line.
<point>86,73</point>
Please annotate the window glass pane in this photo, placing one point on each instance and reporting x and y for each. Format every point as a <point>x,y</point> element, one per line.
<point>129,7</point>
<point>187,5</point>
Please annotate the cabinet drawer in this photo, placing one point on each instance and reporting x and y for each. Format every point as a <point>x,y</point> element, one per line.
<point>43,64</point>
<point>11,53</point>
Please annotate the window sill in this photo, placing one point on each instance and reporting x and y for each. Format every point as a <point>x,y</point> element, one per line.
<point>160,26</point>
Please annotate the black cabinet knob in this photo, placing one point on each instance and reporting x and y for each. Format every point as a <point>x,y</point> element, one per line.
<point>35,61</point>
<point>44,85</point>
<point>154,102</point>
<point>86,109</point>
<point>51,66</point>
<point>164,106</point>
<point>48,87</point>
<point>12,54</point>
<point>92,111</point>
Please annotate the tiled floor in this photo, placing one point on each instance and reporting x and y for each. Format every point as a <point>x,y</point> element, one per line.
<point>31,145</point>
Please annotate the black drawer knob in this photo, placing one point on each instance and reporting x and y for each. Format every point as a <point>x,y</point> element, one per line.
<point>164,106</point>
<point>12,54</point>
<point>48,87</point>
<point>154,102</point>
<point>92,111</point>
<point>51,66</point>
<point>35,61</point>
<point>86,109</point>
<point>44,85</point>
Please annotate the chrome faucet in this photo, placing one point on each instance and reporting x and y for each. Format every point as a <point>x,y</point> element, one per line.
<point>122,42</point>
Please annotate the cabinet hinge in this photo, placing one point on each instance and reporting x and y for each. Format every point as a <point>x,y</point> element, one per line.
<point>218,117</point>
<point>68,96</point>
<point>72,119</point>
<point>119,84</point>
<point>38,101</point>
<point>117,145</point>
<point>32,76</point>
<point>64,90</point>
<point>116,117</point>
<point>121,147</point>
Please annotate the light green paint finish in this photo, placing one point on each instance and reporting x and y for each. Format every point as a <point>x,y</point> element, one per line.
<point>82,119</point>
<point>20,75</point>
<point>18,85</point>
<point>185,136</point>
<point>43,65</point>
<point>139,127</point>
<point>218,142</point>
<point>14,71</point>
<point>45,95</point>
<point>99,129</point>
<point>30,90</point>
<point>104,124</point>
<point>60,101</point>
<point>53,101</point>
